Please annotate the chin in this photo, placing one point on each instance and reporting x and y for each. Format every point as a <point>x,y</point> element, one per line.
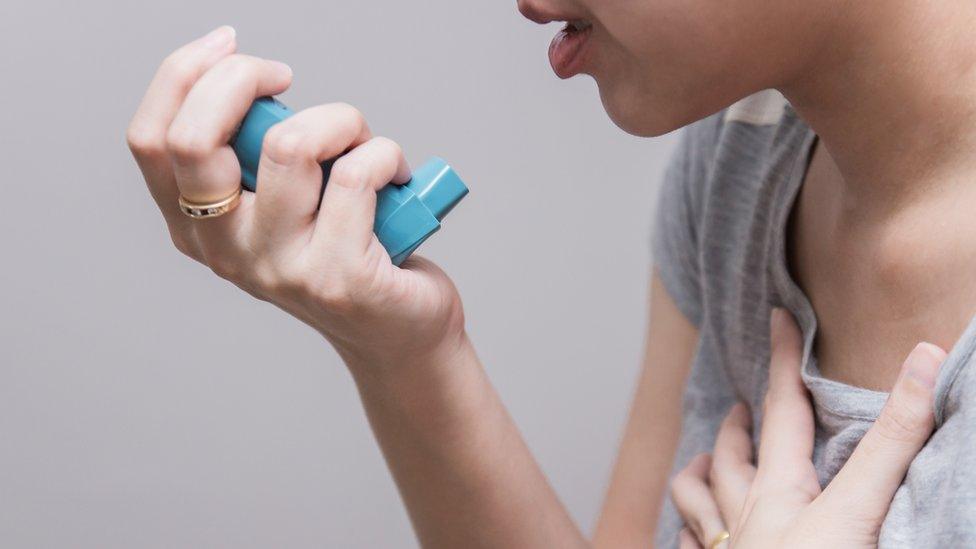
<point>641,116</point>
<point>649,114</point>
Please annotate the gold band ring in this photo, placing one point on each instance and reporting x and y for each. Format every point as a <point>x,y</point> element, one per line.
<point>198,210</point>
<point>723,536</point>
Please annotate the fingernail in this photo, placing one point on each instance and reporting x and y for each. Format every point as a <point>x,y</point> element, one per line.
<point>219,37</point>
<point>923,363</point>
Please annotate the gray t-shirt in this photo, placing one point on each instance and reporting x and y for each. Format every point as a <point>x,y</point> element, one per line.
<point>719,246</point>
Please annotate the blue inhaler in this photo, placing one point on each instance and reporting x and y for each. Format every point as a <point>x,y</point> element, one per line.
<point>406,215</point>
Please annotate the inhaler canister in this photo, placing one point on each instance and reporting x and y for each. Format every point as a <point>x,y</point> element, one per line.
<point>406,215</point>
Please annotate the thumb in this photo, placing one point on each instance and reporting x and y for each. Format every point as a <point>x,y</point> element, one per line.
<point>878,465</point>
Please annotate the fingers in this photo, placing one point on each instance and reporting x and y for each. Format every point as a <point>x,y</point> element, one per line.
<point>868,480</point>
<point>732,470</point>
<point>146,134</point>
<point>177,74</point>
<point>693,498</point>
<point>205,166</point>
<point>345,222</point>
<point>289,174</point>
<point>786,441</point>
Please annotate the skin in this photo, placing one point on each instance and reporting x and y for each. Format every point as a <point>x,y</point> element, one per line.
<point>891,101</point>
<point>778,502</point>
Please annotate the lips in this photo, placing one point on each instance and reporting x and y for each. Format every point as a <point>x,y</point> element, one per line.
<point>568,48</point>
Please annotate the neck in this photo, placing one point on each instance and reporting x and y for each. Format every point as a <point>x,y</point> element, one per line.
<point>892,95</point>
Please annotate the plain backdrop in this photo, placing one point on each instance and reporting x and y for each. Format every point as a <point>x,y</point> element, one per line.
<point>146,403</point>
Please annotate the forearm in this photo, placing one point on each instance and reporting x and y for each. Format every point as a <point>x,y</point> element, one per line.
<point>640,477</point>
<point>462,468</point>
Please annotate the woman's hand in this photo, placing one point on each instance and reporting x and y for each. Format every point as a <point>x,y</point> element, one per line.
<point>320,262</point>
<point>779,503</point>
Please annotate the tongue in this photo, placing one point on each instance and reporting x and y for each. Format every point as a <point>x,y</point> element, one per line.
<point>564,50</point>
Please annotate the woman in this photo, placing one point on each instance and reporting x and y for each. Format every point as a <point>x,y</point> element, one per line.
<point>849,201</point>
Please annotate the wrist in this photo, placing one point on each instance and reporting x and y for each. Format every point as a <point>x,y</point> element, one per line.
<point>381,367</point>
<point>436,395</point>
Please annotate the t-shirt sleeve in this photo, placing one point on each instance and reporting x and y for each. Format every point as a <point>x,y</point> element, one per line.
<point>675,238</point>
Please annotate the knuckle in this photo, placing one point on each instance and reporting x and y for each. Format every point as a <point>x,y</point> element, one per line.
<point>337,292</point>
<point>179,67</point>
<point>236,67</point>
<point>224,268</point>
<point>350,172</point>
<point>286,146</point>
<point>182,244</point>
<point>776,398</point>
<point>266,278</point>
<point>810,487</point>
<point>144,141</point>
<point>336,296</point>
<point>293,281</point>
<point>676,488</point>
<point>393,149</point>
<point>188,143</point>
<point>902,423</point>
<point>351,114</point>
<point>789,486</point>
<point>681,481</point>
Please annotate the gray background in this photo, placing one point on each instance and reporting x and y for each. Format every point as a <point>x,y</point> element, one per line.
<point>146,403</point>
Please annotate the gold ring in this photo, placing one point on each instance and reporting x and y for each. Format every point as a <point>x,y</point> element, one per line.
<point>198,210</point>
<point>724,535</point>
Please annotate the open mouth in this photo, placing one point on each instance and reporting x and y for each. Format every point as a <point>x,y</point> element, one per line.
<point>566,52</point>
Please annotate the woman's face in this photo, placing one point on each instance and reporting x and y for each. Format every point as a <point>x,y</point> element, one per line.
<point>661,64</point>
